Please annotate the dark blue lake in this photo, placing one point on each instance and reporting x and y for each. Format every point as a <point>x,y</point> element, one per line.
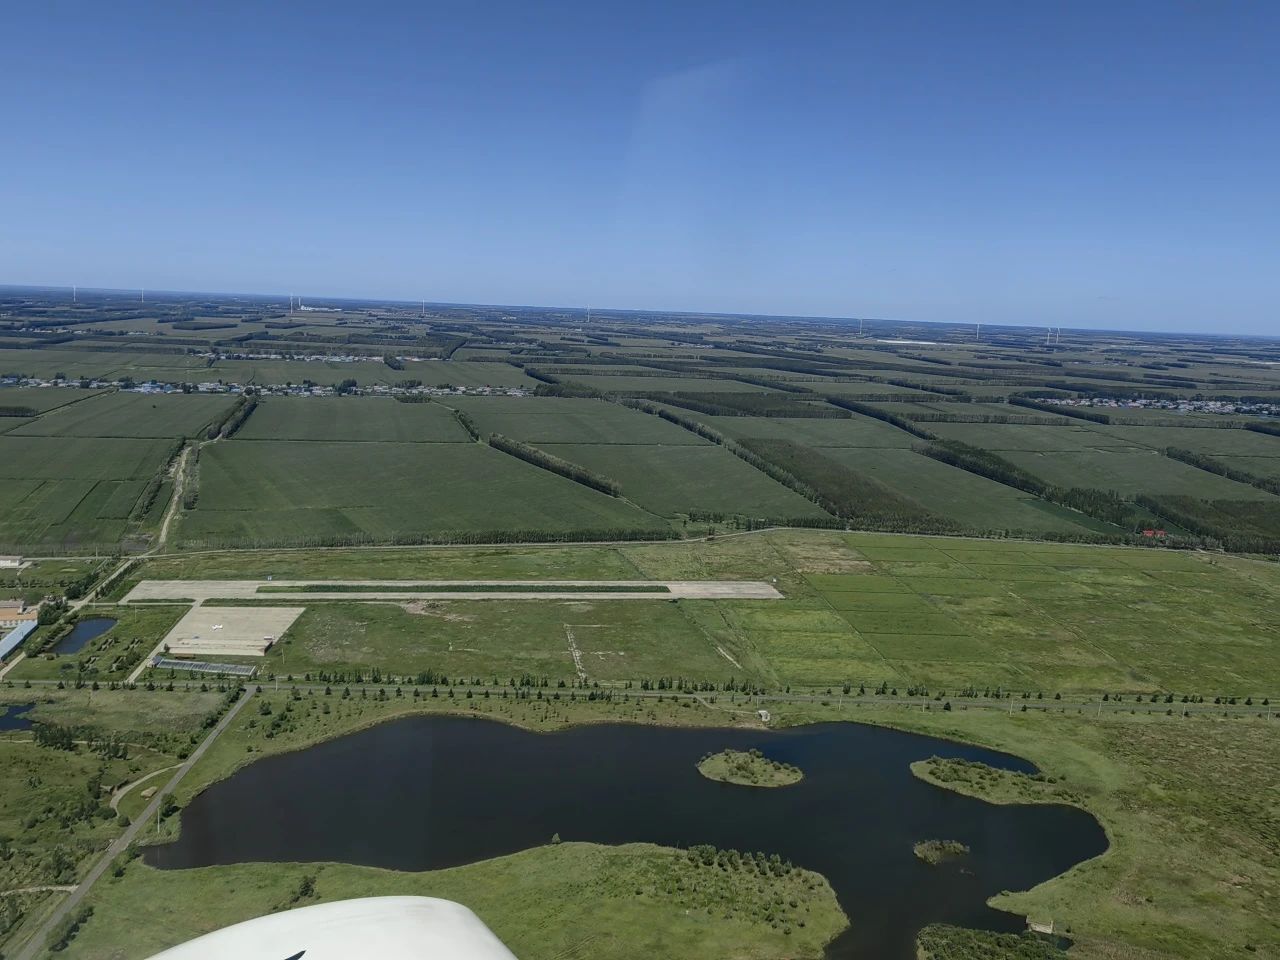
<point>82,633</point>
<point>14,716</point>
<point>431,792</point>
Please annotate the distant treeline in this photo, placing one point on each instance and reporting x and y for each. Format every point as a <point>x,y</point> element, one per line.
<point>467,424</point>
<point>959,395</point>
<point>203,324</point>
<point>1212,465</point>
<point>985,418</point>
<point>848,493</point>
<point>574,390</point>
<point>540,458</point>
<point>147,499</point>
<point>867,410</point>
<point>231,421</point>
<point>779,405</point>
<point>1105,505</point>
<point>191,488</point>
<point>693,426</point>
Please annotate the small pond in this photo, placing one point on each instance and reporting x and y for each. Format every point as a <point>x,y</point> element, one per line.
<point>428,792</point>
<point>13,716</point>
<point>82,633</point>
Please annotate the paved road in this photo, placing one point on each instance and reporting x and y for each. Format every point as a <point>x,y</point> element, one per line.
<point>200,590</point>
<point>35,945</point>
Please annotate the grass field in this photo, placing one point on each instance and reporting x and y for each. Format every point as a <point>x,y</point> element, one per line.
<point>295,491</point>
<point>860,609</point>
<point>1191,870</point>
<point>351,419</point>
<point>551,902</point>
<point>55,813</point>
<point>616,640</point>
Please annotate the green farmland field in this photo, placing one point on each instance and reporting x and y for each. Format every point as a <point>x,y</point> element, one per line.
<point>43,400</point>
<point>1131,471</point>
<point>1258,466</point>
<point>130,415</point>
<point>633,385</point>
<point>104,364</point>
<point>79,458</point>
<point>975,501</point>
<point>1215,443</point>
<point>681,479</point>
<point>1013,437</point>
<point>541,420</point>
<point>369,372</point>
<point>851,432</point>
<point>460,373</point>
<point>71,492</point>
<point>265,491</point>
<point>363,419</point>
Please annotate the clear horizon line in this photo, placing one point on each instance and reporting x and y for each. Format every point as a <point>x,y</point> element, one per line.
<point>158,291</point>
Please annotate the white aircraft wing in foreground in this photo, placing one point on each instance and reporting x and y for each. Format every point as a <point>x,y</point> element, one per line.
<point>380,928</point>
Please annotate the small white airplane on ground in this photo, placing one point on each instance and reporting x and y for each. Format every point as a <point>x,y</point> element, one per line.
<point>385,928</point>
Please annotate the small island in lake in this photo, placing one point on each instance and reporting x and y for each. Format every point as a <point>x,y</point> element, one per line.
<point>933,852</point>
<point>749,769</point>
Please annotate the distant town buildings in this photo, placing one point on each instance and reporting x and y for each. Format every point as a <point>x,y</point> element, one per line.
<point>308,389</point>
<point>1175,404</point>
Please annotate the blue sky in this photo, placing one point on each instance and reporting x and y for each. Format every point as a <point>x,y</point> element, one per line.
<point>1084,164</point>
